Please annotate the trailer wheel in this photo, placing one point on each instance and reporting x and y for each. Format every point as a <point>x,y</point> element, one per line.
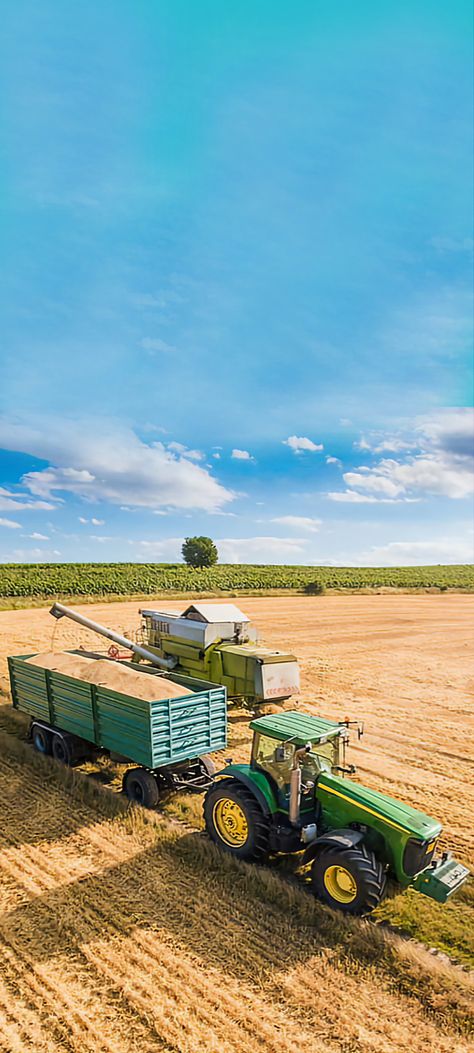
<point>41,739</point>
<point>351,880</point>
<point>235,821</point>
<point>62,750</point>
<point>141,786</point>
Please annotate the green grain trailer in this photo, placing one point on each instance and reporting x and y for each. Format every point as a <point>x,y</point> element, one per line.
<point>168,739</point>
<point>293,797</point>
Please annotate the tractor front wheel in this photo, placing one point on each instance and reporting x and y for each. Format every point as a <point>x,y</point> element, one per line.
<point>235,821</point>
<point>351,880</point>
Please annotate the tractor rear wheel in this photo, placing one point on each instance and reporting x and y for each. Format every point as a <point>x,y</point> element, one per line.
<point>351,880</point>
<point>141,786</point>
<point>235,821</point>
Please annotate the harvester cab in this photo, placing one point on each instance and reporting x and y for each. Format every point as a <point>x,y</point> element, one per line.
<point>293,797</point>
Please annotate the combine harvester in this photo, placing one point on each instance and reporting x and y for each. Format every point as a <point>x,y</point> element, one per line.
<point>293,796</point>
<point>215,641</point>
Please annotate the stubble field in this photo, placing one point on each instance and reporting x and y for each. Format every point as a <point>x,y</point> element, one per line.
<point>128,932</point>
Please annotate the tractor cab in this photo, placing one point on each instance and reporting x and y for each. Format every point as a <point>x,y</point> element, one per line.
<point>283,742</point>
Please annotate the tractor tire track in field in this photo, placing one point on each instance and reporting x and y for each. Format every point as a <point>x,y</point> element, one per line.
<point>141,953</point>
<point>122,932</point>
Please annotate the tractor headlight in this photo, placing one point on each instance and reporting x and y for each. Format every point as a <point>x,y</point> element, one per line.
<point>418,855</point>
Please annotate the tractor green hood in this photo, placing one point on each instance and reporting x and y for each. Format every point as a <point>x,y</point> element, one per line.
<point>348,800</point>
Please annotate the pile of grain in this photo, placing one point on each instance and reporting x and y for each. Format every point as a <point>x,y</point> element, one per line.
<point>110,674</point>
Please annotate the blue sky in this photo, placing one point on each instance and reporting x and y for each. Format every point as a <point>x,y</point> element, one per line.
<point>237,255</point>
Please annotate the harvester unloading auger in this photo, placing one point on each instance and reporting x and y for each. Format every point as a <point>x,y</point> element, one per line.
<point>210,641</point>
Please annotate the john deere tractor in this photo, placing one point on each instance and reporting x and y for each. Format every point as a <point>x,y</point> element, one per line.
<point>294,797</point>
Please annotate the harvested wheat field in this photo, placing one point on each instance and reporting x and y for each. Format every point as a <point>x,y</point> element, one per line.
<point>127,931</point>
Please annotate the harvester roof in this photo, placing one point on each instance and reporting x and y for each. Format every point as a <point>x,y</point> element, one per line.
<point>215,612</point>
<point>299,727</point>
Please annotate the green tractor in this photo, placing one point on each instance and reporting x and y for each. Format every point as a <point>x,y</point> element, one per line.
<point>293,798</point>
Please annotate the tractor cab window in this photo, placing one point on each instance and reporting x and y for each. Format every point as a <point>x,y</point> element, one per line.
<point>275,757</point>
<point>326,754</point>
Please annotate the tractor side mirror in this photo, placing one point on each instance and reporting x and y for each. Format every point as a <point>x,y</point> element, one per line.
<point>279,755</point>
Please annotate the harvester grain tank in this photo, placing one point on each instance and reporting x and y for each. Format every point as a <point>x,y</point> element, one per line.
<point>216,641</point>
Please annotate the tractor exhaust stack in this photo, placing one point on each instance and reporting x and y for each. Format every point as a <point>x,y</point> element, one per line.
<point>295,785</point>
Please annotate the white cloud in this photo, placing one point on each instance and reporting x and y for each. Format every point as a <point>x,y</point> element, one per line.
<point>333,460</point>
<point>260,549</point>
<point>95,522</point>
<point>183,451</point>
<point>21,502</point>
<point>300,443</point>
<point>10,523</point>
<point>36,537</point>
<point>419,553</point>
<point>31,555</point>
<point>451,430</point>
<point>429,475</point>
<point>352,497</point>
<point>393,446</point>
<point>168,550</point>
<point>241,455</point>
<point>443,465</point>
<point>217,456</point>
<point>388,445</point>
<point>299,522</point>
<point>154,344</point>
<point>106,461</point>
<point>100,537</point>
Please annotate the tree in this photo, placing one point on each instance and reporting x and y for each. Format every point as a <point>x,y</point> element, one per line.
<point>199,552</point>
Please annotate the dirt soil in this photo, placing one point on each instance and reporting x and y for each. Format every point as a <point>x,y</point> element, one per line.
<point>125,933</point>
<point>403,664</point>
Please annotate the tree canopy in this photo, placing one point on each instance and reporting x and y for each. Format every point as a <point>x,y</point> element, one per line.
<point>199,552</point>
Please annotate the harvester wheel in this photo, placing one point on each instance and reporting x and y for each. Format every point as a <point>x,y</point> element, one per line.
<point>235,821</point>
<point>351,880</point>
<point>141,786</point>
<point>41,739</point>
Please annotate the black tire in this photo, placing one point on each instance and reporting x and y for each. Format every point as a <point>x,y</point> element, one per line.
<point>351,880</point>
<point>41,739</point>
<point>62,750</point>
<point>141,786</point>
<point>255,828</point>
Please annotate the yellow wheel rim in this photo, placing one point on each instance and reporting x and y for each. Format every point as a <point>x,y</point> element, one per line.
<point>230,822</point>
<point>340,884</point>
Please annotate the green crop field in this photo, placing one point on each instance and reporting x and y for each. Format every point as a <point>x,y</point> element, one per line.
<point>44,580</point>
